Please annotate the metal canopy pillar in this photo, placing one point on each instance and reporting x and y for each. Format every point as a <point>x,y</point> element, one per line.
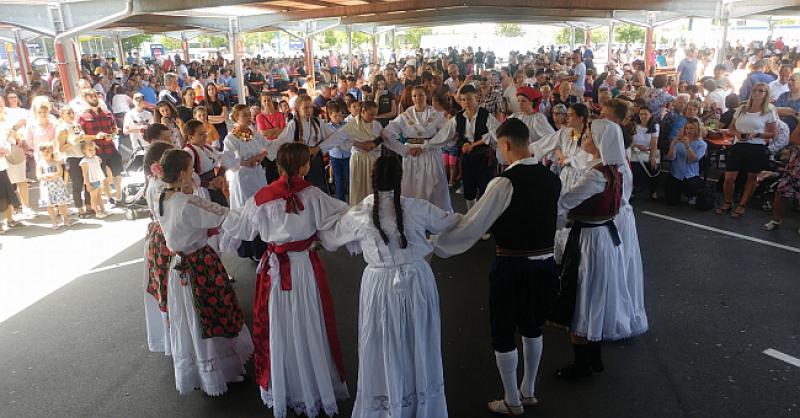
<point>308,37</point>
<point>118,48</point>
<point>571,38</point>
<point>649,43</point>
<point>185,47</point>
<point>587,36</point>
<point>25,68</point>
<point>349,32</point>
<point>375,59</point>
<point>610,39</point>
<point>394,44</point>
<point>724,22</point>
<point>236,51</point>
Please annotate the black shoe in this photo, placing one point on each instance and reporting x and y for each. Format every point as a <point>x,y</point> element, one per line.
<point>580,367</point>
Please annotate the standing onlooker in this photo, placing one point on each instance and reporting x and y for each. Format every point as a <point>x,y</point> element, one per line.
<point>8,199</point>
<point>658,98</point>
<point>168,116</point>
<point>69,136</point>
<point>645,157</point>
<point>685,152</point>
<point>99,123</point>
<point>753,126</point>
<point>788,104</point>
<point>52,190</point>
<point>757,75</point>
<point>340,158</point>
<point>93,177</point>
<point>16,119</point>
<point>687,68</point>
<point>136,122</point>
<point>186,108</point>
<point>217,111</point>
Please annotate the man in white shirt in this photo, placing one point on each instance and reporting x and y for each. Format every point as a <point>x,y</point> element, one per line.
<point>579,78</point>
<point>452,82</point>
<point>781,85</point>
<point>714,94</point>
<point>136,122</point>
<point>509,92</point>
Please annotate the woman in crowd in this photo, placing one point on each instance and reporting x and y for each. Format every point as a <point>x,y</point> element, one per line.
<point>70,136</point>
<point>298,361</point>
<point>210,342</point>
<point>217,111</point>
<point>206,163</point>
<point>399,336</point>
<point>538,126</point>
<point>16,119</point>
<point>187,105</point>
<point>270,123</point>
<point>753,126</point>
<point>387,105</point>
<point>425,177</point>
<point>644,155</point>
<point>685,152</point>
<point>168,116</point>
<point>789,184</point>
<point>8,199</point>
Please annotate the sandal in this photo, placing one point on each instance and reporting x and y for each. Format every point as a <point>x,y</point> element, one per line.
<point>13,224</point>
<point>771,225</point>
<point>738,212</point>
<point>56,227</point>
<point>725,208</point>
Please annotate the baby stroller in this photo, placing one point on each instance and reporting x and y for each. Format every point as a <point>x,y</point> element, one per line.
<point>134,185</point>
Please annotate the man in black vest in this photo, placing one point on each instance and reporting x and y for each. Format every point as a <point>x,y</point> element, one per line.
<point>520,210</point>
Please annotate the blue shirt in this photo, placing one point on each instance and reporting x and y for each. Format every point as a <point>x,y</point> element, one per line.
<point>337,152</point>
<point>681,167</point>
<point>688,70</point>
<point>750,81</point>
<point>356,92</point>
<point>785,100</point>
<point>675,121</point>
<point>149,94</point>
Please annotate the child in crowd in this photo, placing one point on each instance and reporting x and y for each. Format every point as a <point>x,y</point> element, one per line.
<point>340,158</point>
<point>299,370</point>
<point>52,189</point>
<point>93,177</point>
<point>206,162</point>
<point>399,342</point>
<point>201,113</point>
<point>355,110</point>
<point>157,257</point>
<point>210,342</point>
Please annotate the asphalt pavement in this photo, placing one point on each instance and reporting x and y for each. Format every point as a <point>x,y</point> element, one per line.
<point>715,301</point>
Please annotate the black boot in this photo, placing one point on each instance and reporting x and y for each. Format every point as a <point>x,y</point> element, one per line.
<point>595,357</point>
<point>580,367</point>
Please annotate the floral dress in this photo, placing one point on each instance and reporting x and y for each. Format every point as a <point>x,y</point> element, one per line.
<point>53,192</point>
<point>789,184</point>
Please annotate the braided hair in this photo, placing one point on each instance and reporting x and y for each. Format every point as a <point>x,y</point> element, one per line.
<point>581,111</point>
<point>387,174</point>
<point>299,120</point>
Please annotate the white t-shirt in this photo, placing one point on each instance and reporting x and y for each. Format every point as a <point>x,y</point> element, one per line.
<point>141,119</point>
<point>641,137</point>
<point>580,72</point>
<point>752,123</point>
<point>718,96</point>
<point>94,168</point>
<point>121,103</point>
<point>776,89</point>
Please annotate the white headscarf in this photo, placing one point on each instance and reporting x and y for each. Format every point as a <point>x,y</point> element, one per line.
<point>607,137</point>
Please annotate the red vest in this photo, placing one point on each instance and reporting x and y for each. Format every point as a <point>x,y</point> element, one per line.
<point>602,206</point>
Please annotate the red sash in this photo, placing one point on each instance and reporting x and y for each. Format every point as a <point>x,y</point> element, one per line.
<point>261,331</point>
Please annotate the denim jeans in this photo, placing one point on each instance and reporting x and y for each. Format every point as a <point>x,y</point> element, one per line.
<point>341,176</point>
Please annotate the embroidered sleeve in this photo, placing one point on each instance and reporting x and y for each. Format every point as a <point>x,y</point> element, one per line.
<point>203,213</point>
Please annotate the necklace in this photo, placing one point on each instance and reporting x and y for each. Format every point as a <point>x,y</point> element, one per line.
<point>575,136</point>
<point>244,134</point>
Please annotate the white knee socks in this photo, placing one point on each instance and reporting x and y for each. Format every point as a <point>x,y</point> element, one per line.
<point>507,366</point>
<point>532,353</point>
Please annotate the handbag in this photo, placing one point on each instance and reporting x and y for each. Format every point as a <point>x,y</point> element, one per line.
<point>16,156</point>
<point>643,158</point>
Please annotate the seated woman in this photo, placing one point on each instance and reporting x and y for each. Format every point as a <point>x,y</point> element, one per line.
<point>685,152</point>
<point>789,184</point>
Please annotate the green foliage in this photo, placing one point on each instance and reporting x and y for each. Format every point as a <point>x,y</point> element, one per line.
<point>171,44</point>
<point>413,37</point>
<point>509,30</point>
<point>212,41</point>
<point>135,42</point>
<point>250,40</point>
<point>629,34</point>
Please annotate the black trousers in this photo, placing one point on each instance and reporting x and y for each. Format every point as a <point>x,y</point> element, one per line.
<point>521,295</point>
<point>79,193</point>
<point>674,188</point>
<point>478,168</point>
<point>641,179</point>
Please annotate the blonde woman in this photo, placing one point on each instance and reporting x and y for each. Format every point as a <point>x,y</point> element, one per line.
<point>754,125</point>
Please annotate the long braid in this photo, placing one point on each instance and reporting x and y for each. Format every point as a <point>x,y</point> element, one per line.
<point>298,125</point>
<point>398,209</point>
<point>376,217</point>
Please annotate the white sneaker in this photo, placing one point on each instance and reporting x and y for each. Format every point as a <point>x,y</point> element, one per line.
<point>101,215</point>
<point>501,407</point>
<point>485,237</point>
<point>460,190</point>
<point>692,201</point>
<point>532,401</point>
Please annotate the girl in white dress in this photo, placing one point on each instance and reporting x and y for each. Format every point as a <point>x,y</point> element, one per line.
<point>157,257</point>
<point>399,343</point>
<point>207,162</point>
<point>569,159</point>
<point>209,341</point>
<point>595,302</point>
<point>244,151</point>
<point>298,361</point>
<point>423,167</point>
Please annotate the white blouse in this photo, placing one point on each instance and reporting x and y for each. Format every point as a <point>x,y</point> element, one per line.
<point>187,219</point>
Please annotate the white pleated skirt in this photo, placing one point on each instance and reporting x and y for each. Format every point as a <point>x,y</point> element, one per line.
<point>157,325</point>
<point>399,344</point>
<point>603,306</point>
<point>244,183</point>
<point>634,274</point>
<point>201,363</point>
<point>303,374</point>
<point>361,175</point>
<point>424,178</point>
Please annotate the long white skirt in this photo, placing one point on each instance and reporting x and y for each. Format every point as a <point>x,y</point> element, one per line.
<point>569,176</point>
<point>399,344</point>
<point>303,374</point>
<point>634,275</point>
<point>424,178</point>
<point>157,325</point>
<point>603,306</point>
<point>360,176</point>
<point>244,183</point>
<point>201,363</point>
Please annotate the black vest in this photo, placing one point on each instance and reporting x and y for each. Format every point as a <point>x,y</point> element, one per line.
<point>529,222</point>
<point>480,126</point>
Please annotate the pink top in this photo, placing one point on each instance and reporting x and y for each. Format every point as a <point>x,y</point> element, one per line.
<point>37,135</point>
<point>272,121</point>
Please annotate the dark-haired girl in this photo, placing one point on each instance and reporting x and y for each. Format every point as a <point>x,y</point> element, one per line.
<point>157,257</point>
<point>563,148</point>
<point>210,344</point>
<point>298,361</point>
<point>399,346</point>
<point>206,162</point>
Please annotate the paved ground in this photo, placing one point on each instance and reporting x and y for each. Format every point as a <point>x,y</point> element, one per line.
<point>72,338</point>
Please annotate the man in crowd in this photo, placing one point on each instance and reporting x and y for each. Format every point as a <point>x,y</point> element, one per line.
<point>99,124</point>
<point>171,91</point>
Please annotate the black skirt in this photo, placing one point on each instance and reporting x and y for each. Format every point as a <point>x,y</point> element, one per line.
<point>8,197</point>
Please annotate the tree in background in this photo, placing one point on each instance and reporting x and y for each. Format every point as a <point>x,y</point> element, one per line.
<point>257,41</point>
<point>509,30</point>
<point>629,34</point>
<point>171,44</point>
<point>135,42</point>
<point>412,38</point>
<point>596,36</point>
